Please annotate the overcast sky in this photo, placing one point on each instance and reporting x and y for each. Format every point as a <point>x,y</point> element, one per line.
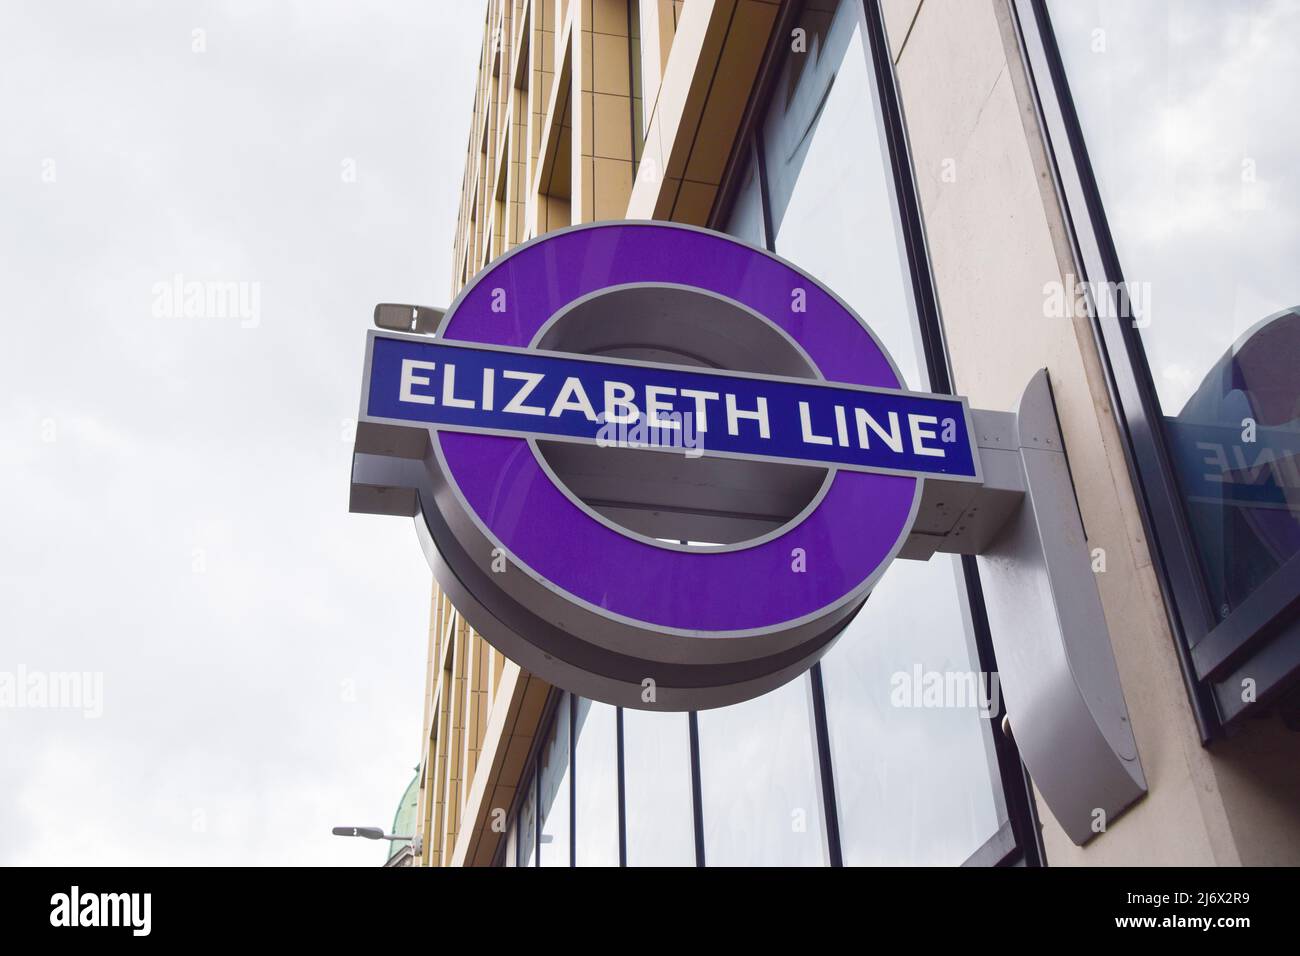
<point>1189,109</point>
<point>175,481</point>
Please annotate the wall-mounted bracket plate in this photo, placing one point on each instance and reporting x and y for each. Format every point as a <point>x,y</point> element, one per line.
<point>1056,668</point>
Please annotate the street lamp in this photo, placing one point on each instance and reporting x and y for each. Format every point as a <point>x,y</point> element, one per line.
<point>376,833</point>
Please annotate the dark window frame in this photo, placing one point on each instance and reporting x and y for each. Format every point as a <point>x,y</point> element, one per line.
<point>1260,638</point>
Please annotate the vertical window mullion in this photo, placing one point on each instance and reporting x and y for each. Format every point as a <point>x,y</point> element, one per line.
<point>622,788</point>
<point>697,796</point>
<point>573,781</point>
<point>830,806</point>
<point>765,203</point>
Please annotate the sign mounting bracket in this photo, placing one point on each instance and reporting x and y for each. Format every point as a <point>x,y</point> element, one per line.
<point>1056,668</point>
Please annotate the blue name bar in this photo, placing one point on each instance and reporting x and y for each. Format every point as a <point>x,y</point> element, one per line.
<point>619,403</point>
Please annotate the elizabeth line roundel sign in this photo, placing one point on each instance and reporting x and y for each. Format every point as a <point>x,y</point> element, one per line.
<point>652,464</point>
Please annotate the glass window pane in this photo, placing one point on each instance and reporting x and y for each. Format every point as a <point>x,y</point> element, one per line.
<point>913,784</point>
<point>830,190</point>
<point>528,824</point>
<point>911,739</point>
<point>659,807</point>
<point>1188,110</point>
<point>758,781</point>
<point>746,219</point>
<point>554,780</point>
<point>595,768</point>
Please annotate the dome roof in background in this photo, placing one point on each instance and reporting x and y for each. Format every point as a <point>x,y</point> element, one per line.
<point>404,819</point>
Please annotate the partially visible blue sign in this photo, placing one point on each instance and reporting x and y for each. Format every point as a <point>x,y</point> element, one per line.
<point>621,403</point>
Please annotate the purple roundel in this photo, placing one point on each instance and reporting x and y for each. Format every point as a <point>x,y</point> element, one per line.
<point>854,529</point>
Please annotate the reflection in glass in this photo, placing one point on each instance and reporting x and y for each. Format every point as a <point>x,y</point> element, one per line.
<point>1188,111</point>
<point>746,220</point>
<point>914,783</point>
<point>657,771</point>
<point>758,781</point>
<point>554,786</point>
<point>527,823</point>
<point>595,768</point>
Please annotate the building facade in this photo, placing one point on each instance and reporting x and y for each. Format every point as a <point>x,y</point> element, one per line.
<point>997,187</point>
